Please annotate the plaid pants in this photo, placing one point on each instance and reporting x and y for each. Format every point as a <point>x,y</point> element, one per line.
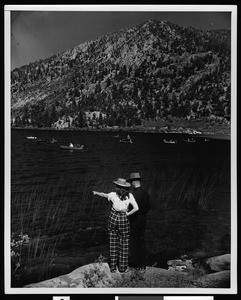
<point>119,233</point>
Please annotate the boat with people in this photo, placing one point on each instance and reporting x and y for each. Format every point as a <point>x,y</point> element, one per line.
<point>127,140</point>
<point>190,140</point>
<point>73,147</point>
<point>31,137</point>
<point>170,141</point>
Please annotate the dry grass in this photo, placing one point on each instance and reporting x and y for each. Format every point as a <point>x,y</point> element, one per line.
<point>52,214</point>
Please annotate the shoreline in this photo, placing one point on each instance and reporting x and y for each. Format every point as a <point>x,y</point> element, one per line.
<point>219,136</point>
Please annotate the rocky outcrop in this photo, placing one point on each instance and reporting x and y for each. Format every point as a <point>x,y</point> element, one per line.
<point>180,265</point>
<point>219,263</point>
<point>216,280</point>
<point>98,275</point>
<point>179,274</point>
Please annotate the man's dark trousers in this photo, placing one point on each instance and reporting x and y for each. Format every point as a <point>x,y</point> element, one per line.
<point>137,228</point>
<point>137,242</point>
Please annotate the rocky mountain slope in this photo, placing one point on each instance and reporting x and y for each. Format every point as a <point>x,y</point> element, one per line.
<point>152,71</point>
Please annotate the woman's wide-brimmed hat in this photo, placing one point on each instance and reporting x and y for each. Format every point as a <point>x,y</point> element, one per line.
<point>134,176</point>
<point>122,182</point>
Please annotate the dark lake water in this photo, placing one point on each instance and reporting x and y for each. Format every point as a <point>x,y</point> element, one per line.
<point>52,202</point>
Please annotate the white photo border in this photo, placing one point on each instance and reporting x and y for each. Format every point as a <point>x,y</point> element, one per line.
<point>7,143</point>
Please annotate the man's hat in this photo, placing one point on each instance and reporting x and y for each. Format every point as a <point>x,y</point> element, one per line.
<point>122,182</point>
<point>134,176</point>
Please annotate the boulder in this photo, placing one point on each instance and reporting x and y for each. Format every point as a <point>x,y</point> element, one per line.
<point>219,263</point>
<point>216,280</point>
<point>177,268</point>
<point>180,264</point>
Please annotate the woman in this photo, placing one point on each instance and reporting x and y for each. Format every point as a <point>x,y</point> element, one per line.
<point>118,223</point>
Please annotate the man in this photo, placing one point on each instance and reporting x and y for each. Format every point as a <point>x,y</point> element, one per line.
<point>138,223</point>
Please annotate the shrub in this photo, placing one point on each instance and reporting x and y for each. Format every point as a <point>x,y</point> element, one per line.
<point>17,242</point>
<point>97,277</point>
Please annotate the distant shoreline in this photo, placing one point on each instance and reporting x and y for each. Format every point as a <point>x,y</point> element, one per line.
<point>216,136</point>
<point>219,136</point>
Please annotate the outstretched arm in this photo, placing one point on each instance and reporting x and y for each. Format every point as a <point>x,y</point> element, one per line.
<point>100,194</point>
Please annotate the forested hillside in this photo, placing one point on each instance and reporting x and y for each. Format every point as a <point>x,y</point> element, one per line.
<point>149,72</point>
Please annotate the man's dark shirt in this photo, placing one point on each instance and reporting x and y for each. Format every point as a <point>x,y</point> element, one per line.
<point>142,199</point>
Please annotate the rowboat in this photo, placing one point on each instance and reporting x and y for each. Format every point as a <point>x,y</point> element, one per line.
<point>126,141</point>
<point>170,141</point>
<point>72,148</point>
<point>31,137</point>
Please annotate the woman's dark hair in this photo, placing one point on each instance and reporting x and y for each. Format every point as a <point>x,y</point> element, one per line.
<point>122,192</point>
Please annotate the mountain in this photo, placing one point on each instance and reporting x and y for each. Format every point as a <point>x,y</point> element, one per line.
<point>152,71</point>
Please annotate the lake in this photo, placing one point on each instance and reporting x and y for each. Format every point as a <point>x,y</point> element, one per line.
<point>52,201</point>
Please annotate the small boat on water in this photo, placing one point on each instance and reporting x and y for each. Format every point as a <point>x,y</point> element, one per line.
<point>116,136</point>
<point>190,140</point>
<point>170,141</point>
<point>126,141</point>
<point>31,137</point>
<point>72,148</point>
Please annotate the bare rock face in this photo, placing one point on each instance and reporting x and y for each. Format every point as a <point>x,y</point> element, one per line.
<point>219,263</point>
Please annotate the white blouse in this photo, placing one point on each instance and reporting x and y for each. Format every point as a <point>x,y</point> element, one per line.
<point>121,205</point>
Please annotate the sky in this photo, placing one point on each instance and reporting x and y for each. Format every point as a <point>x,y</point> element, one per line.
<point>40,34</point>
